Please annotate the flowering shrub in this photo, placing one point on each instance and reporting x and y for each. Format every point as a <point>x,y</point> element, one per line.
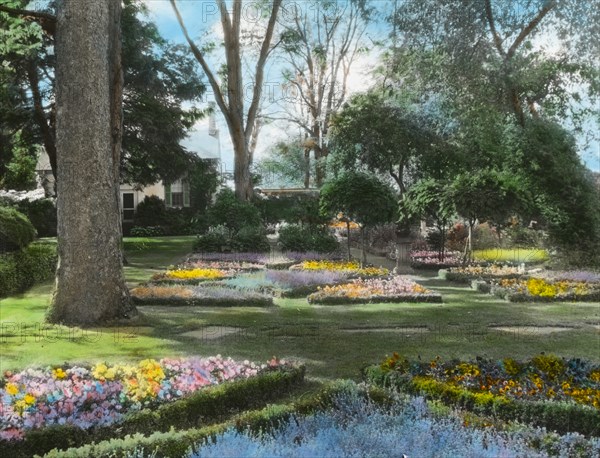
<point>544,377</point>
<point>356,427</point>
<point>103,394</point>
<point>535,288</point>
<point>395,289</point>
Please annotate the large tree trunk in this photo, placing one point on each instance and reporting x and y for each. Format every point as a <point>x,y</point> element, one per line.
<point>90,287</point>
<point>241,171</point>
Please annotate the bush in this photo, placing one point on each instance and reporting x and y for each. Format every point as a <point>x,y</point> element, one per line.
<point>42,214</point>
<point>233,213</point>
<point>307,238</point>
<point>485,237</point>
<point>213,241</point>
<point>150,231</point>
<point>22,269</point>
<point>16,232</point>
<point>250,238</point>
<point>151,212</point>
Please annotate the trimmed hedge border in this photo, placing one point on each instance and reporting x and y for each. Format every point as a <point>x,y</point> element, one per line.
<point>176,444</point>
<point>430,299</point>
<point>20,270</point>
<point>561,417</point>
<point>206,406</point>
<point>267,301</point>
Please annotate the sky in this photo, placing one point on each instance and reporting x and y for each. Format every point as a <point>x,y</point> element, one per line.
<point>201,17</point>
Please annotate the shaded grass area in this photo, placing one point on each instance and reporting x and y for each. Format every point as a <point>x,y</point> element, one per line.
<point>323,337</point>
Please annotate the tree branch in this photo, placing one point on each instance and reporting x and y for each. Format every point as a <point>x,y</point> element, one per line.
<point>260,69</point>
<point>490,18</point>
<point>47,21</point>
<point>200,58</point>
<point>549,6</point>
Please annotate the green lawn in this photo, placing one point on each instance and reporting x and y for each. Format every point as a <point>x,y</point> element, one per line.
<point>334,341</point>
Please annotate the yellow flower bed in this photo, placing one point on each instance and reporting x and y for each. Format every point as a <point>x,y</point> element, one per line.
<point>345,266</point>
<point>193,274</point>
<point>141,382</point>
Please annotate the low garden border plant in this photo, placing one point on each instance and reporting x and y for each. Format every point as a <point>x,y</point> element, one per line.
<point>562,395</point>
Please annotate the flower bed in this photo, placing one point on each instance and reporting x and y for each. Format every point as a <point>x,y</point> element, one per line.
<point>424,259</point>
<point>102,395</point>
<point>204,295</point>
<point>192,276</point>
<point>561,394</point>
<point>349,267</point>
<point>299,283</point>
<point>469,273</point>
<point>539,289</point>
<point>361,291</point>
<point>238,266</point>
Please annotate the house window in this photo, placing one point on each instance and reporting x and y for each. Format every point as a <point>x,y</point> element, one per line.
<point>177,194</point>
<point>128,206</point>
<point>177,199</point>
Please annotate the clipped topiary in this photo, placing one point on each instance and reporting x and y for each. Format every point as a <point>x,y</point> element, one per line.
<point>16,231</point>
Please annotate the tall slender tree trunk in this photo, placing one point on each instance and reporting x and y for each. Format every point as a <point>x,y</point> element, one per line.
<point>90,287</point>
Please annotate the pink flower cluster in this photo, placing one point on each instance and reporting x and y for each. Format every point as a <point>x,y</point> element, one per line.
<point>433,257</point>
<point>222,265</point>
<point>103,394</point>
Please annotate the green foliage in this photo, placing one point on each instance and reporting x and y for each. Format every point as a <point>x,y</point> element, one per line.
<point>20,270</point>
<point>20,171</point>
<point>384,136</point>
<point>232,213</point>
<point>307,238</point>
<point>250,238</point>
<point>565,195</point>
<point>201,408</point>
<point>215,239</point>
<point>151,212</point>
<point>360,197</point>
<point>42,214</point>
<point>16,231</point>
<point>203,179</point>
<point>149,231</point>
<point>286,165</point>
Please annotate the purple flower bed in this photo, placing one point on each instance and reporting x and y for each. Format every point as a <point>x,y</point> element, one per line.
<point>585,276</point>
<point>290,279</point>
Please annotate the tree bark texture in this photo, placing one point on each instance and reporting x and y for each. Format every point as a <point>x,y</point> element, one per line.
<point>90,287</point>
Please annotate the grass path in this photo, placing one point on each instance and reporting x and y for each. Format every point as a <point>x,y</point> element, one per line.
<point>334,341</point>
